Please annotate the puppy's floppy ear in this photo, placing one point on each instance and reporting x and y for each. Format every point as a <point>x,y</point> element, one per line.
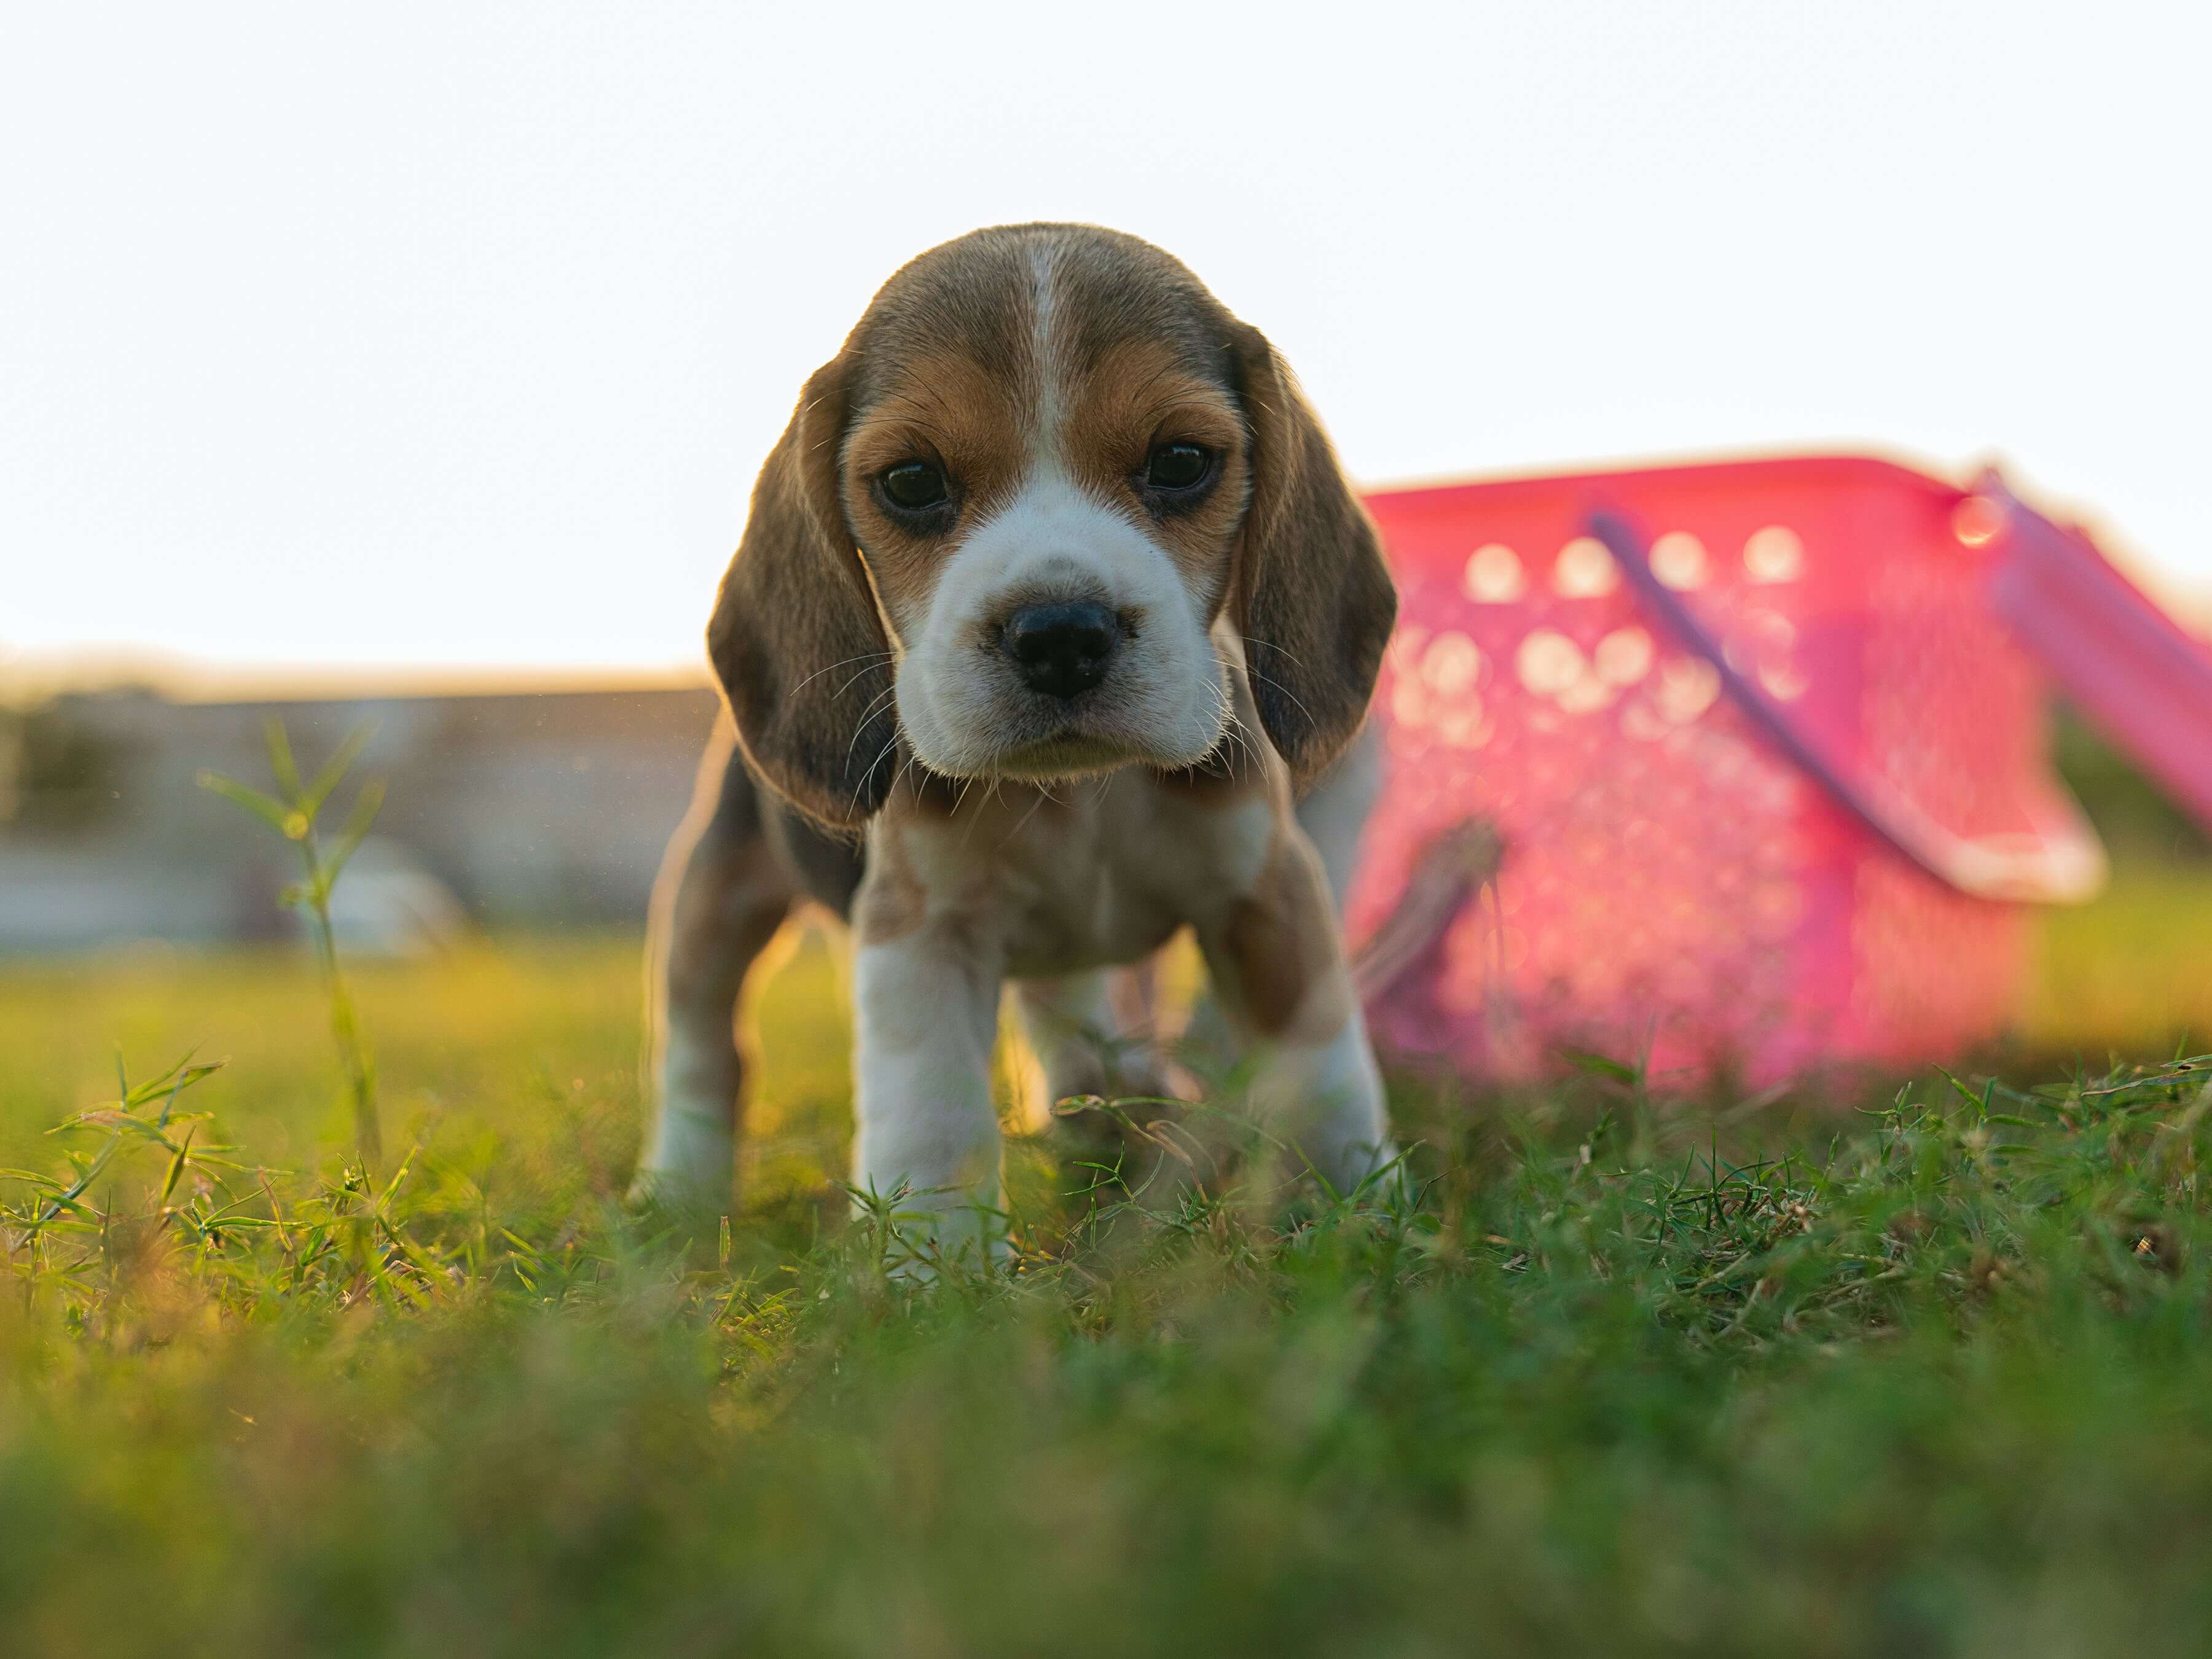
<point>795,638</point>
<point>1312,595</point>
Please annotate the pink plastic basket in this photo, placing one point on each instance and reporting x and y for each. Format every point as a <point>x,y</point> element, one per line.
<point>1765,791</point>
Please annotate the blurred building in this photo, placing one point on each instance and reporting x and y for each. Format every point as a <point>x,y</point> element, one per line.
<point>521,809</point>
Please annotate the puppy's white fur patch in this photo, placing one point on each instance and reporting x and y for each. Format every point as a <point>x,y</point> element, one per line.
<point>962,700</point>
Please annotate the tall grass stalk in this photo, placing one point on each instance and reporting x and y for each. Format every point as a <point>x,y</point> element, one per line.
<point>292,814</point>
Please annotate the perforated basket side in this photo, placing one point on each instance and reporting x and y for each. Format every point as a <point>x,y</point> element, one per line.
<point>1676,882</point>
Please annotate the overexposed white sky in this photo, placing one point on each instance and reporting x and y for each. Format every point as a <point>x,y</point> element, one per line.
<point>412,335</point>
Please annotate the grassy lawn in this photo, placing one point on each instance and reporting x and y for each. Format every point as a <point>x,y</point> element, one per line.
<point>2132,969</point>
<point>1931,1382</point>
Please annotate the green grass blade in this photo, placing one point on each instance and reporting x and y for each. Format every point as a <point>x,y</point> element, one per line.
<point>281,763</point>
<point>274,813</point>
<point>335,768</point>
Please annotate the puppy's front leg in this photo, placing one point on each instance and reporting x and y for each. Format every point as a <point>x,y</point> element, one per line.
<point>925,1008</point>
<point>1275,955</point>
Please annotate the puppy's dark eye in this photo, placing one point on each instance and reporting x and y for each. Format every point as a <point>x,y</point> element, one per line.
<point>1177,466</point>
<point>916,486</point>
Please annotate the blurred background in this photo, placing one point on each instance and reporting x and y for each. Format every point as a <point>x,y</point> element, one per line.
<point>412,365</point>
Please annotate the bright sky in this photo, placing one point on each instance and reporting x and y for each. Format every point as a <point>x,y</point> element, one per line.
<point>442,334</point>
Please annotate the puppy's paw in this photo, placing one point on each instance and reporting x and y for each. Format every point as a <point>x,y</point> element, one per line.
<point>688,1165</point>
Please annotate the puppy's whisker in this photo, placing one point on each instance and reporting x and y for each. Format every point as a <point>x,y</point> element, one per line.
<point>856,679</point>
<point>1292,659</point>
<point>1266,680</point>
<point>880,701</point>
<point>860,726</point>
<point>1245,740</point>
<point>871,771</point>
<point>866,656</point>
<point>1043,795</point>
<point>1236,737</point>
<point>912,763</point>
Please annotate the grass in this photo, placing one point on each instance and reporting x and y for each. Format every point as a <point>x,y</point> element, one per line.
<point>2134,968</point>
<point>1934,1380</point>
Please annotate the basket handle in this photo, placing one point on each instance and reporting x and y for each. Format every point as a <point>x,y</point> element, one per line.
<point>2131,668</point>
<point>2060,861</point>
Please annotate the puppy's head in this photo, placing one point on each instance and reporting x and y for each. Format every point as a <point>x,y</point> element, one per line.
<point>1012,523</point>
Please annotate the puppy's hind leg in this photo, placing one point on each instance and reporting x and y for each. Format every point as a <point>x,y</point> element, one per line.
<point>1093,1033</point>
<point>723,892</point>
<point>1096,1034</point>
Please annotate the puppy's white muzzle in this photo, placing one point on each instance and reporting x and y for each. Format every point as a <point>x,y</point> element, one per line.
<point>1060,640</point>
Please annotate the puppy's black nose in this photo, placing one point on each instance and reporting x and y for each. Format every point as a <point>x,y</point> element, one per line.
<point>1062,649</point>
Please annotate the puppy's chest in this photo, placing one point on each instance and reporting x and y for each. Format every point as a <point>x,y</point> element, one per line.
<point>1058,916</point>
<point>1063,885</point>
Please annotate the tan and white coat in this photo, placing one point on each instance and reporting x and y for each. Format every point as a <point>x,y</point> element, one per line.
<point>886,754</point>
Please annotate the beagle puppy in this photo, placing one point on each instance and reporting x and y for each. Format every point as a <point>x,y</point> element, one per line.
<point>1053,601</point>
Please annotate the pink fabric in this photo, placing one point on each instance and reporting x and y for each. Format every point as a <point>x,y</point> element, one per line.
<point>1673,888</point>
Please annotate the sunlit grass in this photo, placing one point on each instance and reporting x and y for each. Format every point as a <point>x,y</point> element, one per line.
<point>2131,971</point>
<point>1624,1381</point>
